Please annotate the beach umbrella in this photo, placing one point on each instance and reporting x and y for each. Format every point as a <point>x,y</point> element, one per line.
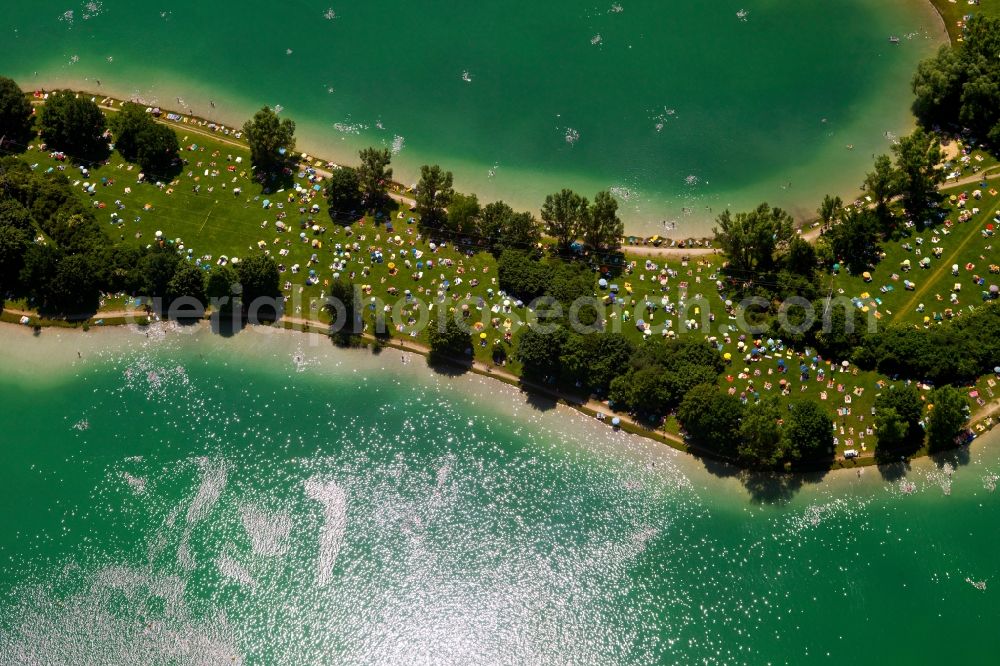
<point>845,363</point>
<point>159,234</point>
<point>482,336</point>
<point>602,283</point>
<point>616,421</point>
<point>781,362</point>
<point>315,227</point>
<point>997,369</point>
<point>727,356</point>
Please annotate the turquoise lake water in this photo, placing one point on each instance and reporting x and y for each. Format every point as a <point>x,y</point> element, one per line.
<point>682,108</point>
<point>189,499</point>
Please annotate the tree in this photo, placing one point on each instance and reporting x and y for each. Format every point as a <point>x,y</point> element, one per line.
<point>219,286</point>
<point>434,192</point>
<point>855,240</point>
<point>903,419</point>
<point>961,86</point>
<point>882,184</point>
<point>15,114</point>
<point>343,194</point>
<point>563,214</point>
<point>751,239</point>
<point>463,213</point>
<point>602,228</point>
<point>258,274</point>
<point>188,281</point>
<point>520,275</point>
<point>74,125</point>
<point>539,351</point>
<point>947,418</point>
<point>449,339</point>
<point>808,430</point>
<point>710,417</point>
<point>828,210</point>
<point>14,242</point>
<point>41,261</point>
<point>157,150</point>
<point>14,214</point>
<point>520,231</point>
<point>342,308</point>
<point>126,126</point>
<point>374,175</point>
<point>595,359</point>
<point>492,220</point>
<point>271,140</point>
<point>917,158</point>
<point>761,443</point>
<point>801,257</point>
<point>891,429</point>
<point>73,289</point>
<point>155,271</point>
<point>937,85</point>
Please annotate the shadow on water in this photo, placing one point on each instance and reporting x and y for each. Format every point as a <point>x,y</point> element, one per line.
<point>226,325</point>
<point>447,366</point>
<point>955,457</point>
<point>764,486</point>
<point>894,471</point>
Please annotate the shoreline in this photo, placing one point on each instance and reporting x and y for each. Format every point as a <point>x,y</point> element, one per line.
<point>987,418</point>
<point>642,213</point>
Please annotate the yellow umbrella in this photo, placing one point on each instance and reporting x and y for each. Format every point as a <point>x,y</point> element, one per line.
<point>482,336</point>
<point>727,356</point>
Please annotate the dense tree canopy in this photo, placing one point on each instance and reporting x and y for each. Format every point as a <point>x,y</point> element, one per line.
<point>463,214</point>
<point>139,138</point>
<point>854,242</point>
<point>601,227</point>
<point>808,431</point>
<point>374,175</point>
<point>564,214</point>
<point>434,193</point>
<point>751,240</point>
<point>74,125</point>
<point>899,408</point>
<point>882,184</point>
<point>961,84</point>
<point>918,157</point>
<point>271,140</point>
<point>449,339</point>
<point>539,351</point>
<point>343,194</point>
<point>711,417</point>
<point>258,274</point>
<point>948,417</point>
<point>15,114</point>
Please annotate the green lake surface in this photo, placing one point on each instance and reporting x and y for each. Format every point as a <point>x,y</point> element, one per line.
<point>681,107</point>
<point>185,498</point>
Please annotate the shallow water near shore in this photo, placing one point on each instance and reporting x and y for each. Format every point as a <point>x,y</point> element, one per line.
<point>186,498</point>
<point>682,108</point>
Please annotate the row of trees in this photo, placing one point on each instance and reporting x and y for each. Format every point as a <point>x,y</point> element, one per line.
<point>54,252</point>
<point>761,434</point>
<point>958,350</point>
<point>960,86</point>
<point>900,424</point>
<point>75,125</point>
<point>566,216</point>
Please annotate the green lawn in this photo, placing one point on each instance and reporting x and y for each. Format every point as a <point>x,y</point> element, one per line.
<point>954,11</point>
<point>214,221</point>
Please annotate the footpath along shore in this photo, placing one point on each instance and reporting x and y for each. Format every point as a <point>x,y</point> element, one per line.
<point>983,420</point>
